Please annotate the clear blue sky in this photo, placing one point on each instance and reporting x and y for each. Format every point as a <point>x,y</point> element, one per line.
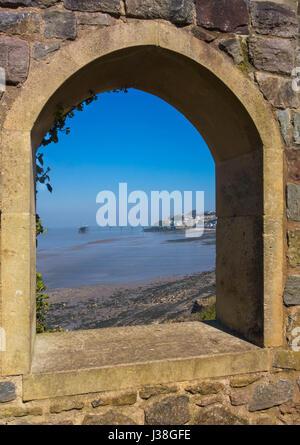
<point>135,138</point>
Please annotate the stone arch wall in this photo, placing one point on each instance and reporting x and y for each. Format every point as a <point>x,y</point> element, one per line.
<point>257,41</point>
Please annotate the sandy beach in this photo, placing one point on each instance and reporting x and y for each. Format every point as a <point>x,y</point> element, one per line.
<point>140,302</point>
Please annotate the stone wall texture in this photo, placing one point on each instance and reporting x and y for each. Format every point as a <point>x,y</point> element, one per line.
<point>248,399</point>
<point>261,38</point>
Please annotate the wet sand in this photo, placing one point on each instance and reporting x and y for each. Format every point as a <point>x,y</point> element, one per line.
<point>140,302</point>
<point>91,243</point>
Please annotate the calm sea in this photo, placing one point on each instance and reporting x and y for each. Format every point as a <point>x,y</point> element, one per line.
<point>110,256</point>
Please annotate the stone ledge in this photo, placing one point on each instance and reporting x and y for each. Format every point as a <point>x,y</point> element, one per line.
<point>82,362</point>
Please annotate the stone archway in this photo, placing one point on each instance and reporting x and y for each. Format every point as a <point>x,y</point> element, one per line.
<point>231,115</point>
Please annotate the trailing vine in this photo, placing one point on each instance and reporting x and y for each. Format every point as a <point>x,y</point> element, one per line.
<point>42,177</point>
<point>42,304</point>
<point>59,126</point>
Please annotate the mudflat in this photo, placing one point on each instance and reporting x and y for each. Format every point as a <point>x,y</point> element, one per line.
<point>140,302</point>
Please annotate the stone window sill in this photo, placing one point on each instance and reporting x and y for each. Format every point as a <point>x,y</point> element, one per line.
<point>80,362</point>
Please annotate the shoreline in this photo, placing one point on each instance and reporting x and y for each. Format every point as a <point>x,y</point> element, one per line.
<point>158,300</point>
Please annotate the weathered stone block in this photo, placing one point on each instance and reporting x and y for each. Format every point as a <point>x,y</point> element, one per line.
<point>122,399</point>
<point>204,34</point>
<point>272,394</point>
<point>232,47</point>
<point>20,412</point>
<point>208,400</point>
<point>285,124</point>
<point>60,25</point>
<point>275,19</point>
<point>54,421</point>
<point>109,418</point>
<point>297,128</point>
<point>245,174</point>
<point>293,162</point>
<point>180,12</point>
<point>173,410</point>
<point>297,56</point>
<point>298,382</point>
<point>293,201</point>
<point>291,295</point>
<point>286,359</point>
<point>265,420</point>
<point>14,58</point>
<point>16,150</point>
<point>277,90</point>
<point>274,55</point>
<point>205,388</point>
<point>290,408</point>
<point>15,3</point>
<point>238,398</point>
<point>7,392</point>
<point>24,23</point>
<point>243,380</point>
<point>151,391</point>
<point>218,415</point>
<point>45,3</point>
<point>224,15</point>
<point>110,6</point>
<point>66,405</point>
<point>245,275</point>
<point>41,50</point>
<point>94,18</point>
<point>294,247</point>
